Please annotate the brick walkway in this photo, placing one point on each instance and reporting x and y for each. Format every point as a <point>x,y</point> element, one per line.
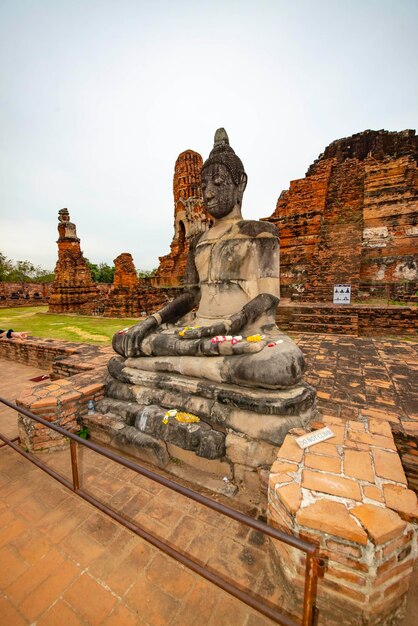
<point>63,562</point>
<point>375,376</point>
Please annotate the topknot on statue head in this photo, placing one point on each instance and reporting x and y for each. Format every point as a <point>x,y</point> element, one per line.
<point>223,154</point>
<point>63,215</point>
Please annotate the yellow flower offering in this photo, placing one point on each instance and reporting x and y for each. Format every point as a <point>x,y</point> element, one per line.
<point>186,418</point>
<point>185,329</point>
<point>255,338</point>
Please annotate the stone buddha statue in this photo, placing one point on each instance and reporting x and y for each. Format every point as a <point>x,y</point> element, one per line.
<point>66,229</point>
<point>222,328</point>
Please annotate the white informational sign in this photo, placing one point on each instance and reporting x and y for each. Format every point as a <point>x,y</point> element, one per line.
<point>342,294</point>
<point>315,436</point>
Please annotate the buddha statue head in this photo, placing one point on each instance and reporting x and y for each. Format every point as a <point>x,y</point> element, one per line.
<point>63,215</point>
<point>223,179</point>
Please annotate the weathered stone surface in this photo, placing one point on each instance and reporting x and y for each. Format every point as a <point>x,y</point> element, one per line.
<point>199,436</point>
<point>148,419</point>
<point>352,220</point>
<point>73,289</point>
<point>249,452</point>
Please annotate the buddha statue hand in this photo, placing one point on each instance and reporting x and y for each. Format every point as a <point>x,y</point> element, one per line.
<point>262,305</point>
<point>127,343</point>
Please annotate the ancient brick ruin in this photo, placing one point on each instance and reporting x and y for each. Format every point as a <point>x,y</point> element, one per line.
<point>352,219</point>
<point>73,289</point>
<point>24,294</point>
<point>190,218</point>
<point>122,300</point>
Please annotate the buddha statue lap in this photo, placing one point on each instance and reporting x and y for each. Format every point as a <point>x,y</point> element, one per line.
<point>232,278</point>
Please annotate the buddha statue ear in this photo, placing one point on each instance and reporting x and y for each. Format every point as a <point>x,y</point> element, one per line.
<point>242,182</point>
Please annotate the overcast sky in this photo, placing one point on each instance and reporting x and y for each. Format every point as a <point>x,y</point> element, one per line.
<point>98,98</point>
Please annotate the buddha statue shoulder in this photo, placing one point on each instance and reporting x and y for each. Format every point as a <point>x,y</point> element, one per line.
<point>227,311</point>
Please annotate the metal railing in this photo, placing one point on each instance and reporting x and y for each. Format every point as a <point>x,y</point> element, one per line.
<point>313,562</point>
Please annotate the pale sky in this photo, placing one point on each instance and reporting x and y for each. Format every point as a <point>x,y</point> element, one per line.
<point>98,98</point>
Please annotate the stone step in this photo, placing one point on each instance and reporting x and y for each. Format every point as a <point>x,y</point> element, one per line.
<point>318,318</point>
<point>322,328</point>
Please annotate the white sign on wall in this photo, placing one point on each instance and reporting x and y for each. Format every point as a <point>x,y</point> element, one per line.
<point>342,294</point>
<point>314,437</point>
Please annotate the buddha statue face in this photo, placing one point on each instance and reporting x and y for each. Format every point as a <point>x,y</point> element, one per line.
<point>220,193</point>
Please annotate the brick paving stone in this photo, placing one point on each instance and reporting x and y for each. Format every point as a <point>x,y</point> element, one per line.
<point>291,497</point>
<point>290,451</point>
<point>43,596</point>
<point>333,485</point>
<point>12,566</point>
<point>327,449</point>
<point>35,576</point>
<point>122,616</point>
<point>9,615</point>
<point>388,465</point>
<point>357,464</point>
<point>225,608</point>
<point>90,599</point>
<point>401,500</point>
<point>199,602</point>
<point>381,524</point>
<point>319,462</point>
<point>60,613</point>
<point>373,492</point>
<point>174,579</point>
<point>331,517</point>
<point>153,604</point>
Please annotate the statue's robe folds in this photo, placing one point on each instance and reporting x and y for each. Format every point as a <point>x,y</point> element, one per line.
<point>231,270</point>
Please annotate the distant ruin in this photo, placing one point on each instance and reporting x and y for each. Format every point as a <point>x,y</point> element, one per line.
<point>73,289</point>
<point>353,219</point>
<point>190,218</point>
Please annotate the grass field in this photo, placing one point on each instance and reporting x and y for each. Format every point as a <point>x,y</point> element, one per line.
<point>38,323</point>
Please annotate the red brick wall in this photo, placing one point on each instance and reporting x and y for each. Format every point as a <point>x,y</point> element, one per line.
<point>352,219</point>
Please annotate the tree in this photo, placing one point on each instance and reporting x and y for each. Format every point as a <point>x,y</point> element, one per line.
<point>146,273</point>
<point>22,271</point>
<point>101,273</point>
<point>6,267</point>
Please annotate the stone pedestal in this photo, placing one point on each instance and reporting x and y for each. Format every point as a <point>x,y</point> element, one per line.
<point>237,436</point>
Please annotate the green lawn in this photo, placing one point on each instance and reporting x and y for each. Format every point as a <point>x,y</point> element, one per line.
<point>38,323</point>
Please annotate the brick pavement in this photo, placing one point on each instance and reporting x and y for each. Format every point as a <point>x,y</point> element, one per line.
<point>377,377</point>
<point>65,562</point>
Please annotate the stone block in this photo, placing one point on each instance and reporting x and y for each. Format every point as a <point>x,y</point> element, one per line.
<point>331,484</point>
<point>388,465</point>
<point>401,500</point>
<point>357,464</point>
<point>380,524</point>
<point>215,467</point>
<point>332,518</point>
<point>249,452</point>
